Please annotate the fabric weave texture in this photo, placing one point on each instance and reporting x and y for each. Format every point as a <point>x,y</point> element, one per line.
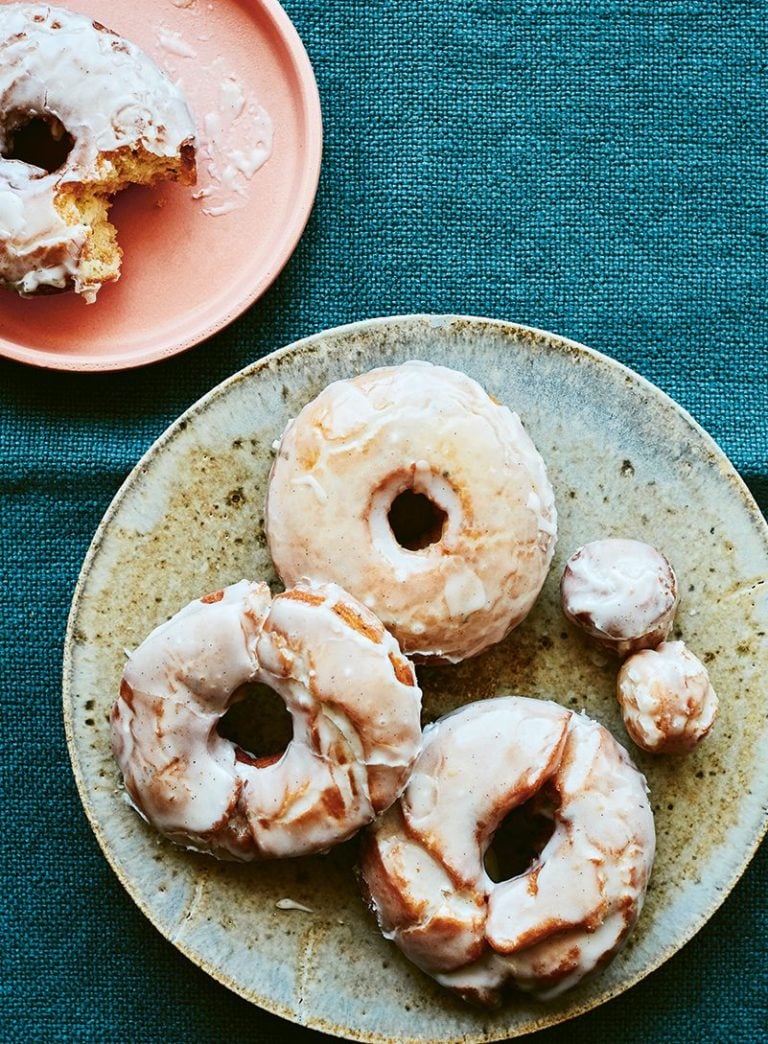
<point>592,167</point>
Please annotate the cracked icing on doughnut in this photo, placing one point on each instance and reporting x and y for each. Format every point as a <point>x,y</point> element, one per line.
<point>621,593</point>
<point>117,106</point>
<point>432,431</point>
<point>351,694</point>
<point>666,699</point>
<point>568,914</point>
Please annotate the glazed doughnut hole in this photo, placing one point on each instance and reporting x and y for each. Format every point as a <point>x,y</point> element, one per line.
<point>38,141</point>
<point>666,699</point>
<point>621,593</point>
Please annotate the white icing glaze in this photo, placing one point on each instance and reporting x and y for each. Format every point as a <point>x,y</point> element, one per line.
<point>360,444</point>
<point>172,41</point>
<point>291,904</point>
<point>547,928</point>
<point>234,137</point>
<point>622,593</point>
<point>666,699</point>
<point>353,699</point>
<point>235,142</point>
<point>108,95</point>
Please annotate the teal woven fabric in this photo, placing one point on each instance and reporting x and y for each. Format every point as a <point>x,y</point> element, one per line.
<point>592,167</point>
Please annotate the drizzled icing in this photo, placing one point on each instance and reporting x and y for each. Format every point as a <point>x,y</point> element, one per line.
<point>291,904</point>
<point>622,593</point>
<point>108,95</point>
<point>236,141</point>
<point>234,136</point>
<point>172,41</point>
<point>352,696</point>
<point>361,443</point>
<point>666,699</point>
<point>544,930</point>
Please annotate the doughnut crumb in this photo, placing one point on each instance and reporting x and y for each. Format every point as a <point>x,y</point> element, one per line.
<point>88,205</point>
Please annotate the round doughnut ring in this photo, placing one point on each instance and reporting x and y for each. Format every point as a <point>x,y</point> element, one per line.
<point>125,122</point>
<point>353,699</point>
<point>425,498</point>
<point>568,913</point>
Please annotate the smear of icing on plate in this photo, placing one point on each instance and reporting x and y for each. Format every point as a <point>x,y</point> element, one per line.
<point>236,141</point>
<point>172,42</point>
<point>291,904</point>
<point>234,137</point>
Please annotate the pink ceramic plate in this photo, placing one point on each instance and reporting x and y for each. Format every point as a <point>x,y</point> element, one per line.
<point>186,273</point>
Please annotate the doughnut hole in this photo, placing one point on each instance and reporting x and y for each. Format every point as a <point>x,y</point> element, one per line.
<point>520,837</point>
<point>259,725</point>
<point>416,521</point>
<point>40,141</point>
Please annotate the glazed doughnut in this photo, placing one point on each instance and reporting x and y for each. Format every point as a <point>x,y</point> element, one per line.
<point>129,124</point>
<point>621,593</point>
<point>423,862</point>
<point>352,696</point>
<point>428,438</point>
<point>666,699</point>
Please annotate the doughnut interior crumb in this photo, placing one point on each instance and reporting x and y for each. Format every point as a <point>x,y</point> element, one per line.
<point>88,204</point>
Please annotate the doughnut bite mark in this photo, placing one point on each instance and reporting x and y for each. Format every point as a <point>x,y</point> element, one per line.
<point>83,114</point>
<point>352,696</point>
<point>666,699</point>
<point>621,593</point>
<point>422,864</point>
<point>426,499</point>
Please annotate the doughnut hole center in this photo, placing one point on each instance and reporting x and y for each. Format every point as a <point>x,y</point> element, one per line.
<point>40,141</point>
<point>416,521</point>
<point>259,725</point>
<point>520,838</point>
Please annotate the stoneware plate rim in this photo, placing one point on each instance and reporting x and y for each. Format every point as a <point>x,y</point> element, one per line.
<point>251,371</point>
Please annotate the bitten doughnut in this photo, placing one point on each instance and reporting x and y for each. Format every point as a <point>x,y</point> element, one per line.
<point>352,696</point>
<point>621,593</point>
<point>666,699</point>
<point>421,495</point>
<point>544,930</point>
<point>127,123</point>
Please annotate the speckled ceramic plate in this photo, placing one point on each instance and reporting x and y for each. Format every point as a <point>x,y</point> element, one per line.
<point>624,460</point>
